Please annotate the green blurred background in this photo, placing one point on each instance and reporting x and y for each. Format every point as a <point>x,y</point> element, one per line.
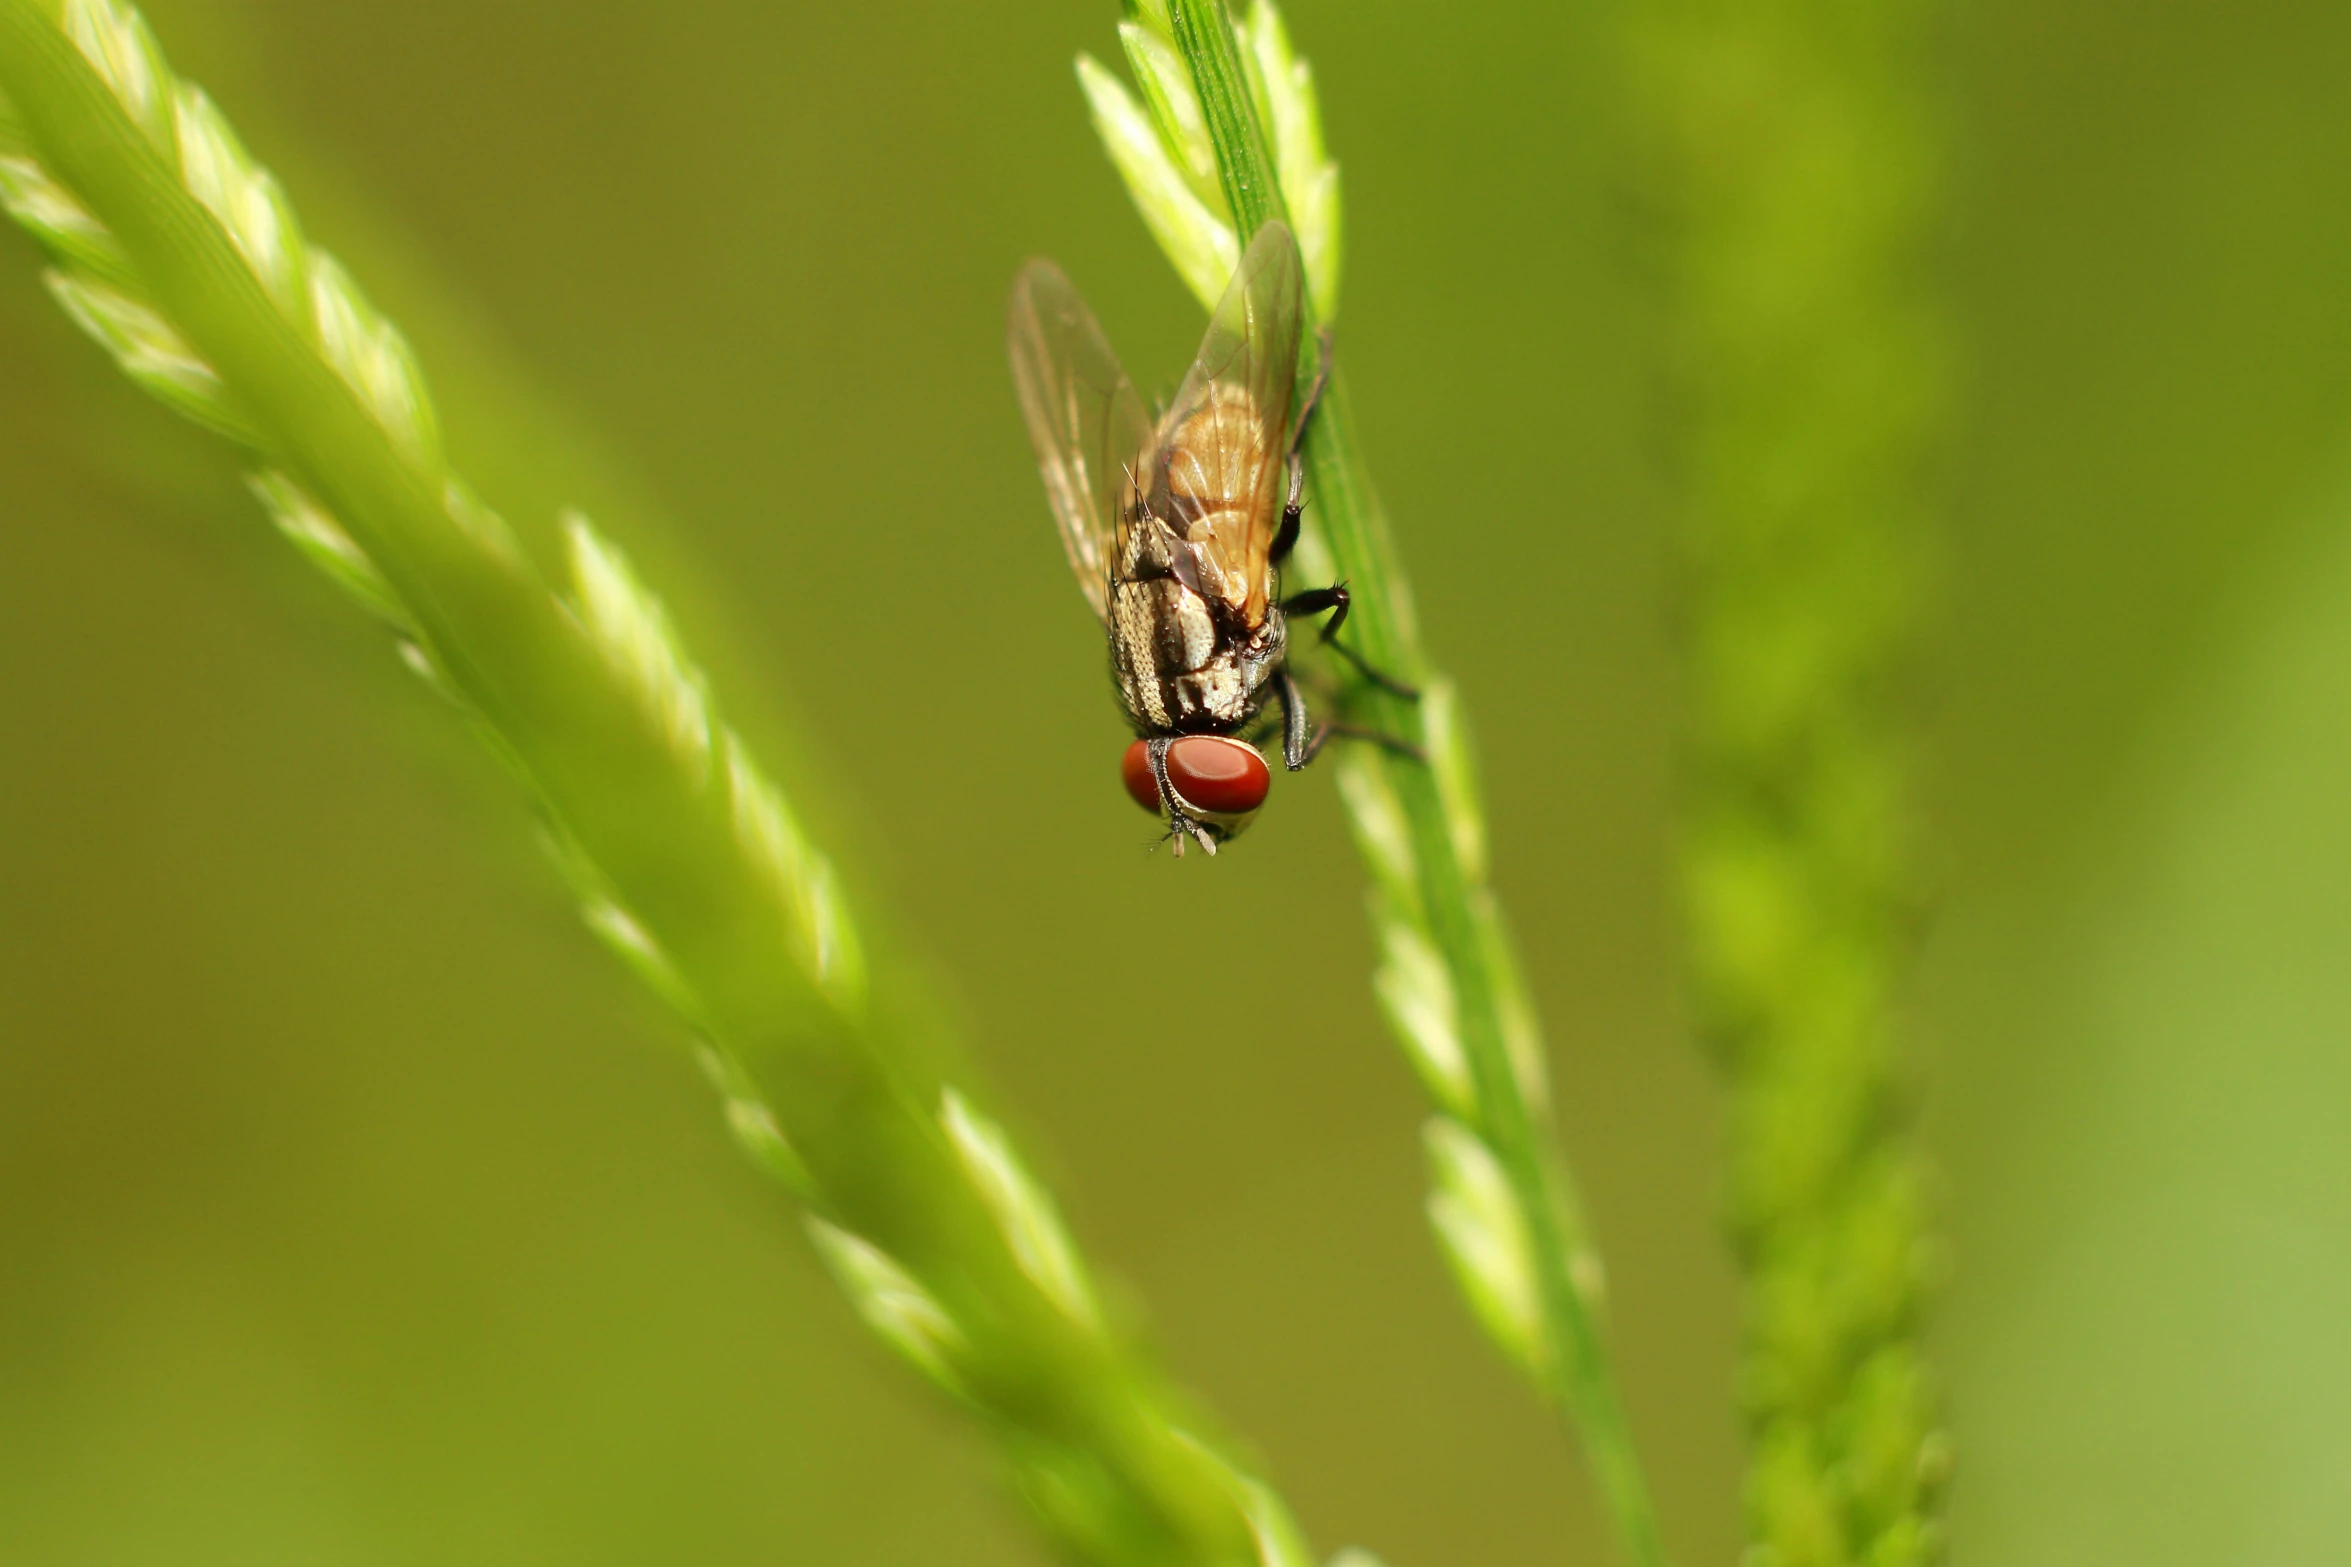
<point>355,1209</point>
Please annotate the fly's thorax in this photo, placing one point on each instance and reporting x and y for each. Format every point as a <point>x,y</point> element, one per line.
<point>1160,633</point>
<point>1147,546</point>
<point>1181,664</point>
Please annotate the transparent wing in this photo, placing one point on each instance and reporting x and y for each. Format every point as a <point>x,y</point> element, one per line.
<point>1220,447</point>
<point>1084,419</point>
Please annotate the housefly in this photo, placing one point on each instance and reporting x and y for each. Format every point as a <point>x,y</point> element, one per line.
<point>1177,529</point>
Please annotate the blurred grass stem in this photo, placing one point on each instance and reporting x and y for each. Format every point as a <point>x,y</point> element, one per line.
<point>1799,147</point>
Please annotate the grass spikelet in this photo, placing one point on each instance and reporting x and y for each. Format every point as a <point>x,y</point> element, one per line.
<point>1193,234</point>
<point>372,358</point>
<point>151,352</point>
<point>115,39</point>
<point>1283,85</point>
<point>799,879</point>
<point>1416,997</point>
<point>241,194</point>
<point>1024,1211</point>
<point>900,1311</point>
<point>1476,1215</point>
<point>1272,1529</point>
<point>325,545</point>
<point>632,629</point>
<point>1174,108</point>
<point>44,209</point>
<point>1375,817</point>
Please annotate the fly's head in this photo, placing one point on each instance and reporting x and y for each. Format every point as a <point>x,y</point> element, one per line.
<point>1205,787</point>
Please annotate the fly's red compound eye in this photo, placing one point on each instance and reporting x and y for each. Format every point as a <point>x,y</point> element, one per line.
<point>1217,775</point>
<point>1211,774</point>
<point>1134,770</point>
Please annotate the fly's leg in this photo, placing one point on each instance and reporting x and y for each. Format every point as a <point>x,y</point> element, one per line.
<point>1335,599</point>
<point>1394,745</point>
<point>1285,539</point>
<point>1295,753</point>
<point>1299,746</point>
<point>1179,825</point>
<point>1322,379</point>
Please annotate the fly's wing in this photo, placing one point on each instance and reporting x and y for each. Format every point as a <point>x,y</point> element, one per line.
<point>1084,419</point>
<point>1222,444</point>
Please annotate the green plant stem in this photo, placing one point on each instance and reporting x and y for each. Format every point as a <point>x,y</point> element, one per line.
<point>688,852</point>
<point>1569,1362</point>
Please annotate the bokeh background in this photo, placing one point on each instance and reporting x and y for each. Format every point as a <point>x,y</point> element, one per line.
<point>355,1209</point>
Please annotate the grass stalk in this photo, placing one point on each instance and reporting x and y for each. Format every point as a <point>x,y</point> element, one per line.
<point>1501,1201</point>
<point>1798,149</point>
<point>186,261</point>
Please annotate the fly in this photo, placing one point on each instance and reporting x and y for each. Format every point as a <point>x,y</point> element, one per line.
<point>1177,530</point>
